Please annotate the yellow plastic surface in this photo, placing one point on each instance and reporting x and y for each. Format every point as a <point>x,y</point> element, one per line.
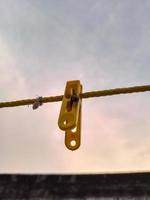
<point>73,136</point>
<point>70,115</point>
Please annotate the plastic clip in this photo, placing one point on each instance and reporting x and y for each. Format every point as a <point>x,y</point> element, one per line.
<point>70,114</point>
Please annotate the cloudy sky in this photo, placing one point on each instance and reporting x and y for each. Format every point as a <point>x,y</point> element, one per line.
<point>103,43</point>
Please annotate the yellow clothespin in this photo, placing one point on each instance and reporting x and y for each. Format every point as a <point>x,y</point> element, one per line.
<point>70,114</point>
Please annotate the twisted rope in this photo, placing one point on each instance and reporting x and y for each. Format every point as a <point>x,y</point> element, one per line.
<point>91,94</point>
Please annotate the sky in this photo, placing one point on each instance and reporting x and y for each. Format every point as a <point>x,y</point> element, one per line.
<point>104,44</point>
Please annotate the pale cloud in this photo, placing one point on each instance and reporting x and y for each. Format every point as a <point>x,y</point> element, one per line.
<point>105,44</point>
<point>12,83</point>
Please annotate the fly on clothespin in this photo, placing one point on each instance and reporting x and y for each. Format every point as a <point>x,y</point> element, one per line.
<point>70,114</point>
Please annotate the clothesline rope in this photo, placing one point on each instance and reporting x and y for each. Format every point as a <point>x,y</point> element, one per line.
<point>91,94</point>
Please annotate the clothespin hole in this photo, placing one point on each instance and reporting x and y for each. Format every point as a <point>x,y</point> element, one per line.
<point>73,143</point>
<point>65,122</point>
<point>74,130</point>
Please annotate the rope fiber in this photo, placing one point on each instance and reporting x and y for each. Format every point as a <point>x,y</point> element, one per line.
<point>91,94</point>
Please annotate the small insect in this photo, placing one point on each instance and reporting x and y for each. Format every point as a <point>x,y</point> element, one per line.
<point>38,102</point>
